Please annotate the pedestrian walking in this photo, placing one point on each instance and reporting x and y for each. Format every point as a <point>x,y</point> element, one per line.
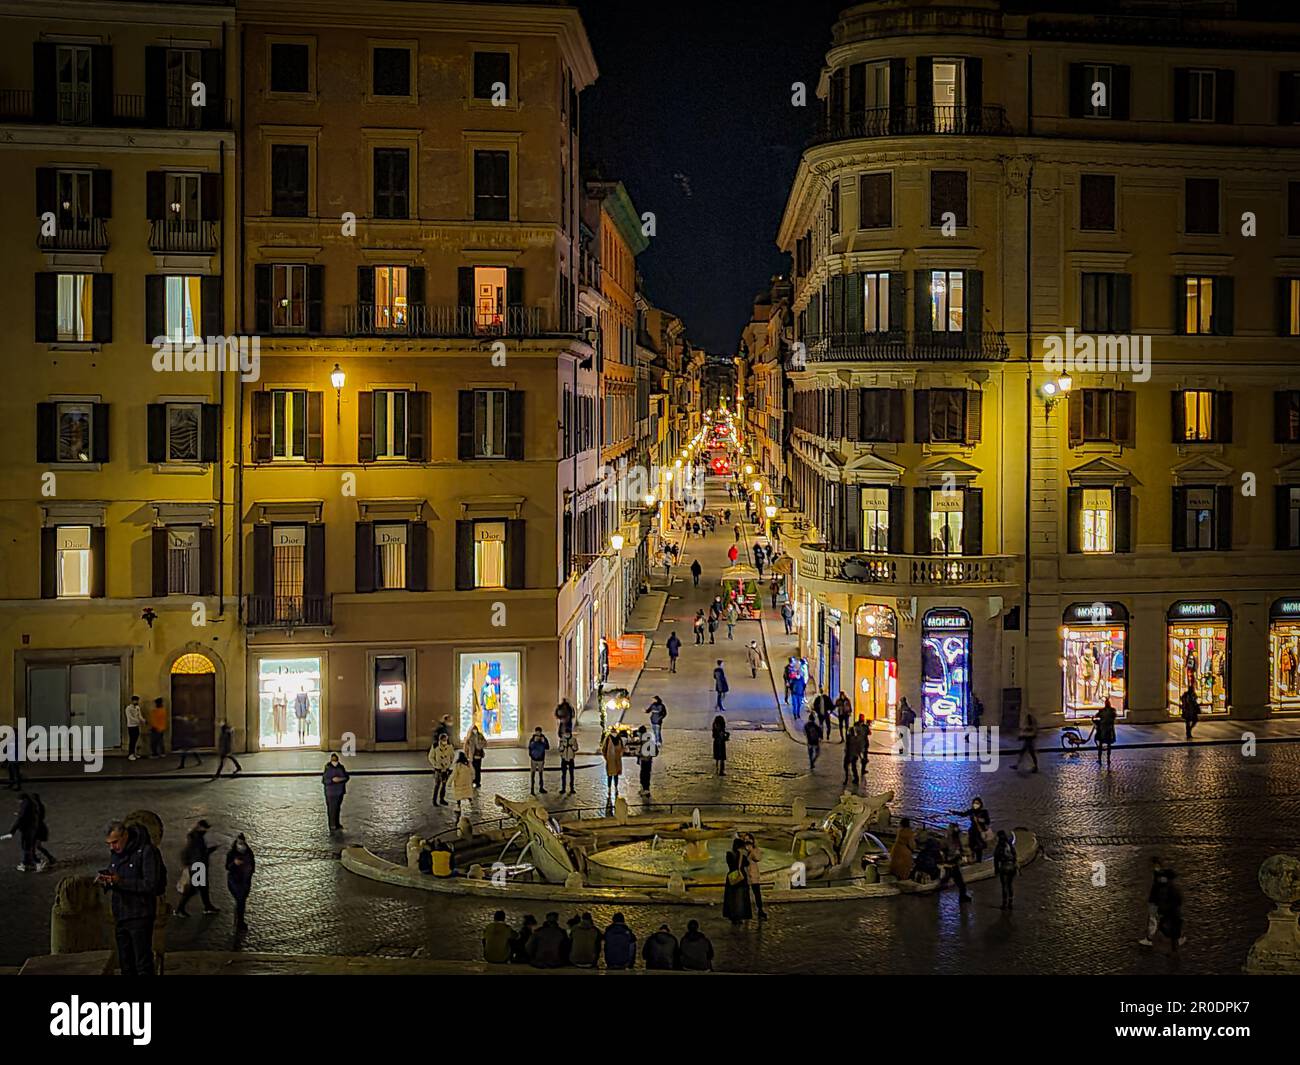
<point>797,683</point>
<point>43,856</point>
<point>564,717</point>
<point>735,890</point>
<point>726,514</point>
<point>698,626</point>
<point>863,728</point>
<point>660,950</point>
<point>979,834</point>
<point>1006,866</point>
<point>620,945</point>
<point>611,749</point>
<point>720,685</point>
<point>720,738</point>
<point>843,712</point>
<point>976,711</point>
<point>737,532</point>
<point>906,715</point>
<point>157,727</point>
<point>134,713</point>
<point>441,757</point>
<point>852,755</point>
<point>753,868</point>
<point>696,570</point>
<point>733,615</point>
<point>1155,899</point>
<point>240,867</point>
<point>821,709</point>
<point>787,616</point>
<point>195,872</point>
<point>713,626</point>
<point>462,782</point>
<point>950,863</point>
<point>334,778</point>
<point>498,940</point>
<point>136,877</point>
<point>1191,709</point>
<point>674,646</point>
<point>1170,912</point>
<point>538,745</point>
<point>813,734</point>
<point>732,554</point>
<point>225,749</point>
<point>443,729</point>
<point>645,756</point>
<point>475,748</point>
<point>24,827</point>
<point>657,711</point>
<point>754,657</point>
<point>668,570</point>
<point>13,773</point>
<point>1028,734</point>
<point>758,565</point>
<point>695,951</point>
<point>584,943</point>
<point>1103,727</point>
<point>568,756</point>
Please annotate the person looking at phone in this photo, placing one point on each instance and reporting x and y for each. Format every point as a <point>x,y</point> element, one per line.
<point>135,878</point>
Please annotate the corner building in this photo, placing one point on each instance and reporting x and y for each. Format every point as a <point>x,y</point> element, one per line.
<point>412,264</point>
<point>986,519</point>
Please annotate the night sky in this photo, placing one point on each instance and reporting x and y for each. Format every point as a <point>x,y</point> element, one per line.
<point>692,113</point>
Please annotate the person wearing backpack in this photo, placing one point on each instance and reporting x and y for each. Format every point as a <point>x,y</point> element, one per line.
<point>1006,866</point>
<point>135,879</point>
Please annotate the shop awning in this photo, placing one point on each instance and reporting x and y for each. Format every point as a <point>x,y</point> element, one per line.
<point>739,573</point>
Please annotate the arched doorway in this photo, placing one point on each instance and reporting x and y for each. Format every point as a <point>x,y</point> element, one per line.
<point>194,702</point>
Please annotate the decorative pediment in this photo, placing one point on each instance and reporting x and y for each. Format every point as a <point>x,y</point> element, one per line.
<point>870,468</point>
<point>1202,469</point>
<point>1100,471</point>
<point>391,509</point>
<point>947,470</point>
<point>189,513</point>
<point>491,506</point>
<point>304,510</point>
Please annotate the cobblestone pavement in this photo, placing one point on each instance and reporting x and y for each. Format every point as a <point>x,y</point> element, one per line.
<point>1210,812</point>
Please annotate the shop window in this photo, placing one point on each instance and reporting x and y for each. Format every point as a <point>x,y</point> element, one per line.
<point>289,702</point>
<point>1202,518</point>
<point>947,301</point>
<point>1284,654</point>
<point>490,694</point>
<point>489,554</point>
<point>391,699</point>
<point>875,665</point>
<point>73,561</point>
<point>1096,522</point>
<point>875,302</point>
<point>93,688</point>
<point>1198,658</point>
<point>945,667</point>
<point>1094,667</point>
<point>875,520</point>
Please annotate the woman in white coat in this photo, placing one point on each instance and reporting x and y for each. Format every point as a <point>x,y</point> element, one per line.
<point>462,781</point>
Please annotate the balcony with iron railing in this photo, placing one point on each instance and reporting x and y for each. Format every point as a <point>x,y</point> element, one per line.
<point>821,562</point>
<point>289,611</point>
<point>76,234</point>
<point>182,235</point>
<point>446,320</point>
<point>912,120</point>
<point>904,347</point>
<point>76,107</point>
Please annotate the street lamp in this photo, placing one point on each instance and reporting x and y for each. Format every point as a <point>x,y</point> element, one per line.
<point>770,511</point>
<point>616,541</point>
<point>337,379</point>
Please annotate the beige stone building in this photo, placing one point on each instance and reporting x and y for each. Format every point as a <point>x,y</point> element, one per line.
<point>118,491</point>
<point>991,190</point>
<point>413,262</point>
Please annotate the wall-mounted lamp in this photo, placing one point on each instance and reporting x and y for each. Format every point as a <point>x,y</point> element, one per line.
<point>1055,391</point>
<point>337,379</point>
<point>616,541</point>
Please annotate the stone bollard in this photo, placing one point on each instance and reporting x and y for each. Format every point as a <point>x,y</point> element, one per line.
<point>573,882</point>
<point>413,845</point>
<point>620,809</point>
<point>1277,951</point>
<point>676,885</point>
<point>798,809</point>
<point>80,918</point>
<point>475,872</point>
<point>782,882</point>
<point>464,829</point>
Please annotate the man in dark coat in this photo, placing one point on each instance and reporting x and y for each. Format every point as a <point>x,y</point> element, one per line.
<point>852,754</point>
<point>195,860</point>
<point>660,950</point>
<point>240,867</point>
<point>720,684</point>
<point>548,947</point>
<point>813,734</point>
<point>135,877</point>
<point>674,646</point>
<point>225,749</point>
<point>620,945</point>
<point>696,570</point>
<point>822,707</point>
<point>335,780</point>
<point>695,952</point>
<point>1191,709</point>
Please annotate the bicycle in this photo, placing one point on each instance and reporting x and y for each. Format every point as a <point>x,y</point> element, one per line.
<point>1073,740</point>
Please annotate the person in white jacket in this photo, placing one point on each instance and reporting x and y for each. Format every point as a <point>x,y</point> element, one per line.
<point>462,781</point>
<point>134,723</point>
<point>441,756</point>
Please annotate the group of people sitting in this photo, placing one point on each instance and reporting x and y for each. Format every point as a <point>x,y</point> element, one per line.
<point>925,856</point>
<point>548,946</point>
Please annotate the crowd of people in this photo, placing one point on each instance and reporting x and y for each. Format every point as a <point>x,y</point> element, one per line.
<point>580,943</point>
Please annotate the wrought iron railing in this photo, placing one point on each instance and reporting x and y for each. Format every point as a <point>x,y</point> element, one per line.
<point>820,562</point>
<point>900,121</point>
<point>902,347</point>
<point>431,320</point>
<point>182,235</point>
<point>288,611</point>
<point>80,234</point>
<point>80,107</point>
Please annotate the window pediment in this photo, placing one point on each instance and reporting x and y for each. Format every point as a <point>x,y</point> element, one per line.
<point>1202,469</point>
<point>1100,471</point>
<point>304,510</point>
<point>947,469</point>
<point>395,509</point>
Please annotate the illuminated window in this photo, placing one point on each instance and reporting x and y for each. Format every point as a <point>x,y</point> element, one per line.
<point>75,442</point>
<point>288,423</point>
<point>183,309</point>
<point>1199,306</point>
<point>946,513</point>
<point>1198,415</point>
<point>75,307</point>
<point>73,561</point>
<point>489,296</point>
<point>875,520</point>
<point>182,560</point>
<point>288,297</point>
<point>1293,307</point>
<point>390,555</point>
<point>875,303</point>
<point>390,298</point>
<point>1095,535</point>
<point>490,554</point>
<point>390,424</point>
<point>947,301</point>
